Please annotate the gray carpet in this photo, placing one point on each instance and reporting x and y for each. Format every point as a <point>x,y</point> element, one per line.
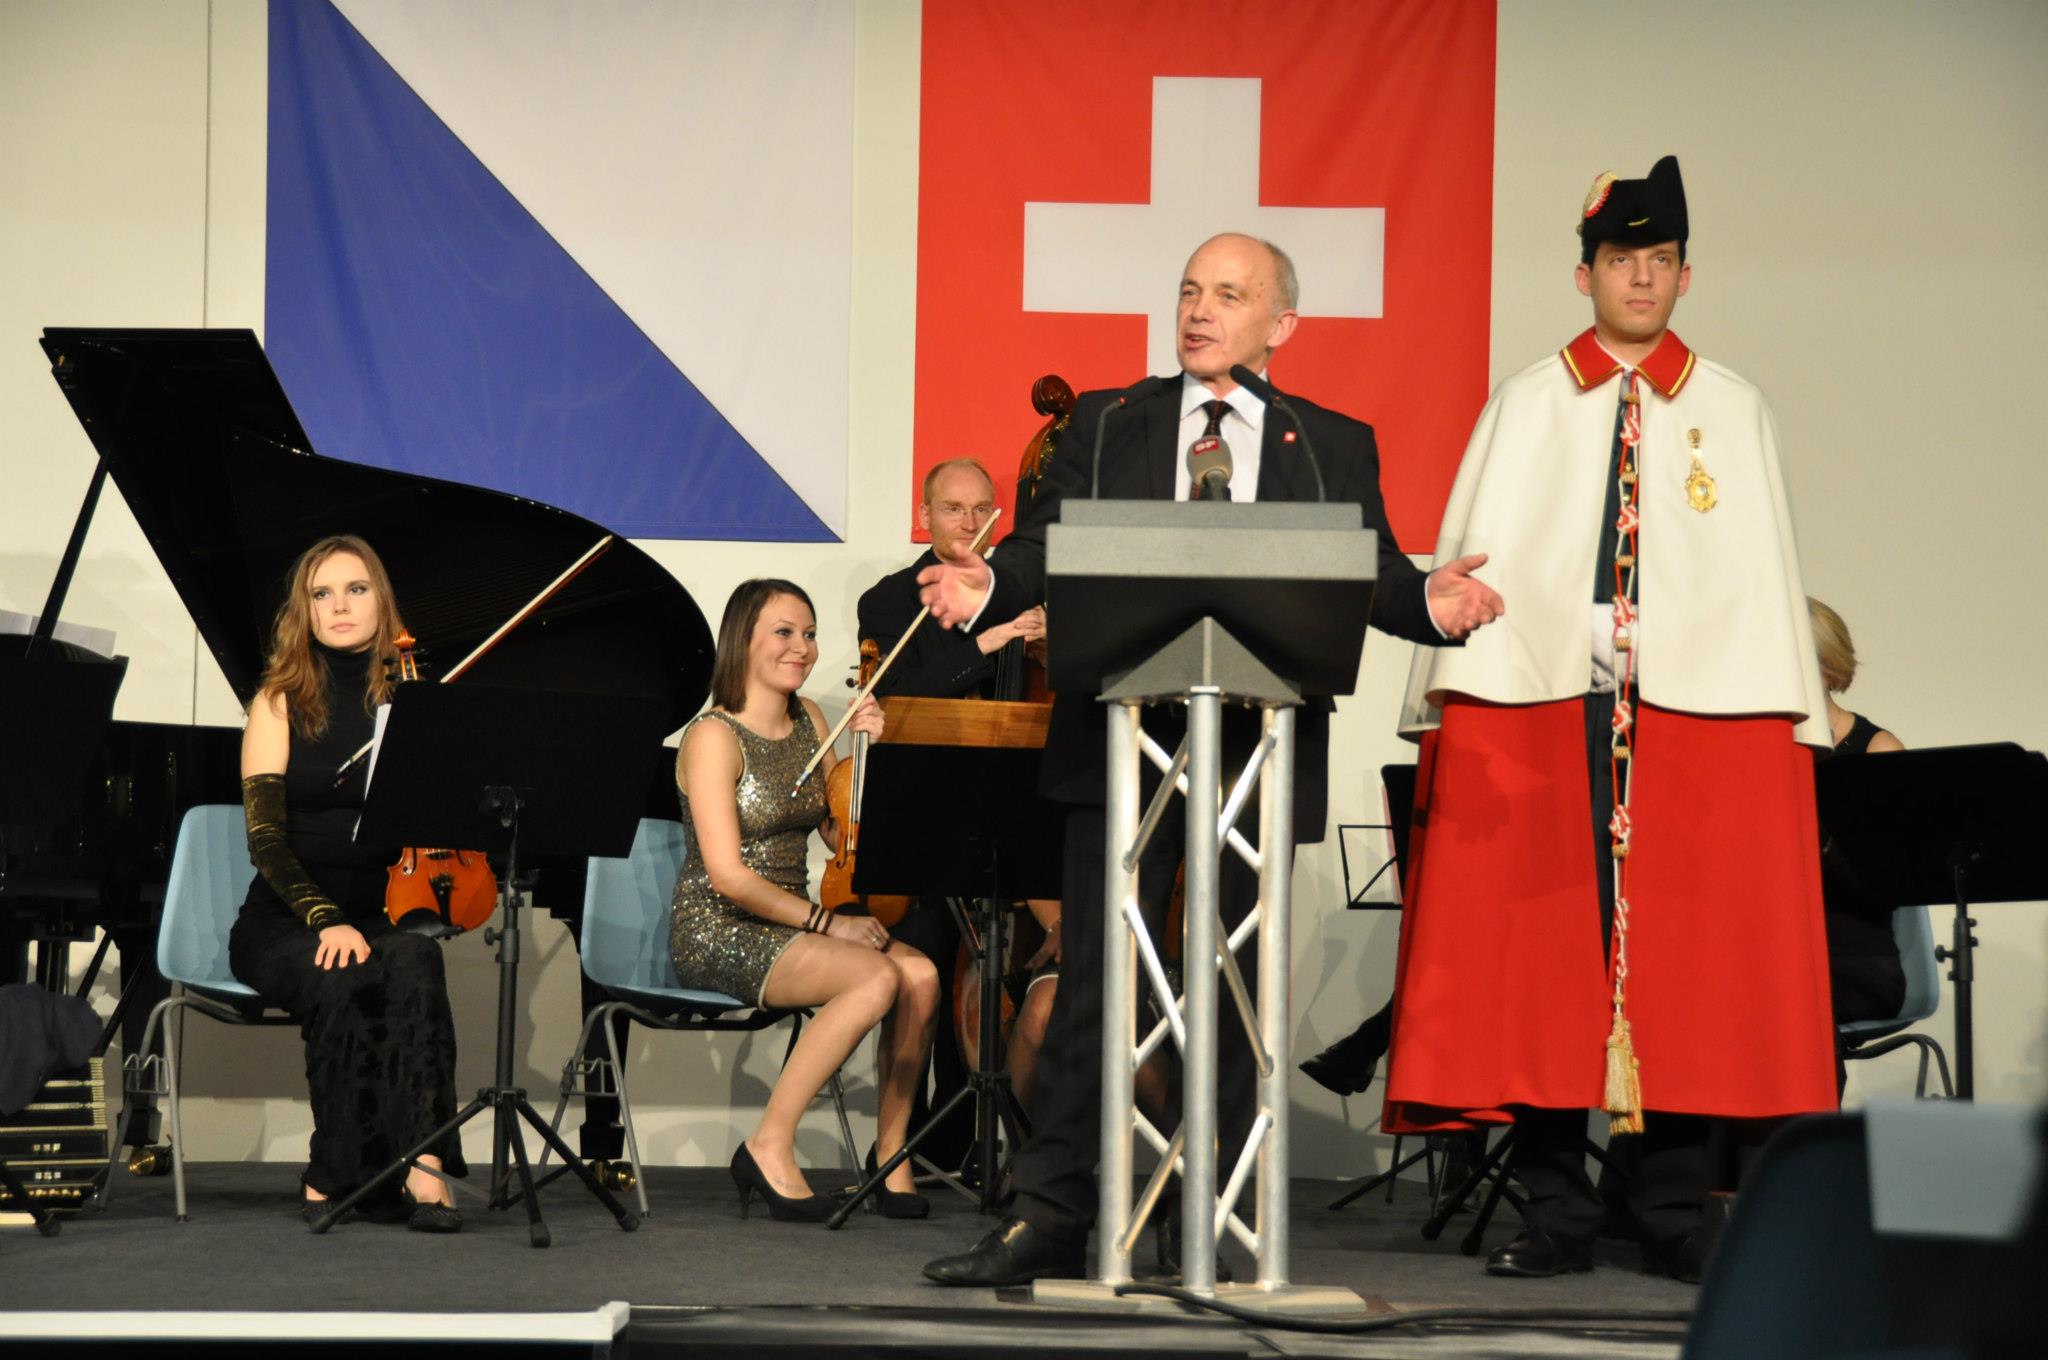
<point>245,1248</point>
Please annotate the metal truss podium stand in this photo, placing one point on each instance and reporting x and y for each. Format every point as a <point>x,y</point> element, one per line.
<point>1202,604</point>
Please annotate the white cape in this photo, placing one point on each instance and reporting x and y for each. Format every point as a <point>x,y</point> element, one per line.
<point>1723,626</point>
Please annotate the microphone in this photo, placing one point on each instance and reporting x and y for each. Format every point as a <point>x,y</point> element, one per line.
<point>1266,392</point>
<point>1137,391</point>
<point>1209,468</point>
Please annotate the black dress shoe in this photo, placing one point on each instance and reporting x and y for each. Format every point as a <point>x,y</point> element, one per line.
<point>1347,1066</point>
<point>1683,1258</point>
<point>1014,1253</point>
<point>1538,1255</point>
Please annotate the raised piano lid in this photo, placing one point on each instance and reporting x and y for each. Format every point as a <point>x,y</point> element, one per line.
<point>198,434</point>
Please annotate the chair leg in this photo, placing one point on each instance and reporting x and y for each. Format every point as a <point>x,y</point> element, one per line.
<point>1930,1048</point>
<point>568,1088</point>
<point>611,1043</point>
<point>134,1071</point>
<point>173,1042</point>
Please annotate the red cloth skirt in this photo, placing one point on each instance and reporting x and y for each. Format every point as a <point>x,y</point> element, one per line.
<point>1501,994</point>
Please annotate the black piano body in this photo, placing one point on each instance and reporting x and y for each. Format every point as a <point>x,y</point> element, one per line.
<point>196,431</point>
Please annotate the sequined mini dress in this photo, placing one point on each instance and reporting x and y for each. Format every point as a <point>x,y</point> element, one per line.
<point>718,945</point>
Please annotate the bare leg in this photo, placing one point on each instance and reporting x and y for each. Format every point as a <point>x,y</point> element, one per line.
<point>851,988</point>
<point>425,1188</point>
<point>1027,1035</point>
<point>900,1051</point>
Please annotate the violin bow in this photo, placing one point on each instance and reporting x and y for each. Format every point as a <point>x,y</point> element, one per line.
<point>519,616</point>
<point>979,545</point>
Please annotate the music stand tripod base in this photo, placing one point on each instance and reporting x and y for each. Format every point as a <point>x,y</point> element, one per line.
<point>447,773</point>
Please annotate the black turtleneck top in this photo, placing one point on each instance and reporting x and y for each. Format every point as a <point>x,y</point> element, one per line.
<point>320,819</point>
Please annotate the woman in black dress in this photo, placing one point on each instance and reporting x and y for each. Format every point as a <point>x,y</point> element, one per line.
<point>1868,981</point>
<point>312,937</point>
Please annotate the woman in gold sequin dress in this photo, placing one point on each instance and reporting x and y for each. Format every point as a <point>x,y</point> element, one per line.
<point>743,921</point>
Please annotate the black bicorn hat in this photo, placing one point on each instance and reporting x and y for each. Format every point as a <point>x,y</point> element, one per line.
<point>1634,212</point>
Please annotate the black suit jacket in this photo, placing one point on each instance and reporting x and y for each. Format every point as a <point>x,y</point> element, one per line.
<point>1140,454</point>
<point>938,663</point>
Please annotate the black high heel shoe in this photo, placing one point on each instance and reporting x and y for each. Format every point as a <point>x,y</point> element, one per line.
<point>749,1179</point>
<point>896,1203</point>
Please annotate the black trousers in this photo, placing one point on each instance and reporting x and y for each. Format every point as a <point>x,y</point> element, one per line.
<point>380,1043</point>
<point>1055,1171</point>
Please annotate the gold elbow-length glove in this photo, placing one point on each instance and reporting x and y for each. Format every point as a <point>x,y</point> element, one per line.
<point>271,853</point>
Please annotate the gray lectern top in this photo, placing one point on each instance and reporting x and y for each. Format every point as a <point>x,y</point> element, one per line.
<point>1291,581</point>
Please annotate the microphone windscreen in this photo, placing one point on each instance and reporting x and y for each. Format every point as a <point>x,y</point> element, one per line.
<point>1209,466</point>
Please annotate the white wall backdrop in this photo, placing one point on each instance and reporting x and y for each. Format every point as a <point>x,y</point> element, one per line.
<point>1867,245</point>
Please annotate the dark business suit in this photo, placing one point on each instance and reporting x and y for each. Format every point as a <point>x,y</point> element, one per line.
<point>942,663</point>
<point>1055,1171</point>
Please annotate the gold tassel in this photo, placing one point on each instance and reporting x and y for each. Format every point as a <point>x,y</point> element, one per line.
<point>1624,1102</point>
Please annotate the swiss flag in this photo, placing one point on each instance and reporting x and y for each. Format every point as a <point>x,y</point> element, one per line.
<point>1355,134</point>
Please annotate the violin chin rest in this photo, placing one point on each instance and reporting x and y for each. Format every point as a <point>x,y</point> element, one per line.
<point>425,921</point>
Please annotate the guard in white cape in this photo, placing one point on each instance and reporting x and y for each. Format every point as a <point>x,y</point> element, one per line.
<point>1613,893</point>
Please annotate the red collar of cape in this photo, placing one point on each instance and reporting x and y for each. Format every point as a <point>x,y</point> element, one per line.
<point>1668,368</point>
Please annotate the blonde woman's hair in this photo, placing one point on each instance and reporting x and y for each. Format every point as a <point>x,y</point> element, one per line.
<point>1836,648</point>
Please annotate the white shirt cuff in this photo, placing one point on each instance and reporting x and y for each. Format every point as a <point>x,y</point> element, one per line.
<point>967,625</point>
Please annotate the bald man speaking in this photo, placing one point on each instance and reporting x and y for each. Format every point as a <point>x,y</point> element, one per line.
<point>1237,305</point>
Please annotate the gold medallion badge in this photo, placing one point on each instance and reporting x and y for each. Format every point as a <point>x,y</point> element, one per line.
<point>1699,487</point>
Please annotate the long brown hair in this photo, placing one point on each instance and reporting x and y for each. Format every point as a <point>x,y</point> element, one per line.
<point>297,672</point>
<point>736,630</point>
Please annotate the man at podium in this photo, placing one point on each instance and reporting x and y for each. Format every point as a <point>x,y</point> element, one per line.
<point>1657,673</point>
<point>1236,306</point>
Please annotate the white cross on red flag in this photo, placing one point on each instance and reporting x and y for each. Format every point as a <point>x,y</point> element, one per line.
<point>1073,154</point>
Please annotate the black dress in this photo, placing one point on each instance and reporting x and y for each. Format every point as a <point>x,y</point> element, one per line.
<point>380,1039</point>
<point>1866,978</point>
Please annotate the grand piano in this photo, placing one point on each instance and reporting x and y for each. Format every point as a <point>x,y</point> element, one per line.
<point>195,430</point>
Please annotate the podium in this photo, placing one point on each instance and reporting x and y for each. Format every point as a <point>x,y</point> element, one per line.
<point>1201,604</point>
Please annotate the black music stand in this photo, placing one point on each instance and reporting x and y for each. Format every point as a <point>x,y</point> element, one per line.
<point>1944,823</point>
<point>991,839</point>
<point>505,770</point>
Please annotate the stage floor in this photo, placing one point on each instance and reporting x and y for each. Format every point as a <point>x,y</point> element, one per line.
<point>701,1281</point>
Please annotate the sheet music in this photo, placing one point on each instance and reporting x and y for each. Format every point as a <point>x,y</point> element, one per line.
<point>99,641</point>
<point>370,769</point>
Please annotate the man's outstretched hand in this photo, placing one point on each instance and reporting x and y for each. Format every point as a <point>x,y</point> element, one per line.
<point>1457,601</point>
<point>954,588</point>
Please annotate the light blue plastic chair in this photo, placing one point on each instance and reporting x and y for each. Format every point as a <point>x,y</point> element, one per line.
<point>1913,932</point>
<point>210,875</point>
<point>624,945</point>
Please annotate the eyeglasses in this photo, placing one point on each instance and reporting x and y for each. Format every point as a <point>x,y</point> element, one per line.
<point>955,510</point>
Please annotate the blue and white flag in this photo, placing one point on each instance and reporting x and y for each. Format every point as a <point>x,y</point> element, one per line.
<point>598,255</point>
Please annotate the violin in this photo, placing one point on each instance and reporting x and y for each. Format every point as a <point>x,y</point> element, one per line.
<point>444,891</point>
<point>842,800</point>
